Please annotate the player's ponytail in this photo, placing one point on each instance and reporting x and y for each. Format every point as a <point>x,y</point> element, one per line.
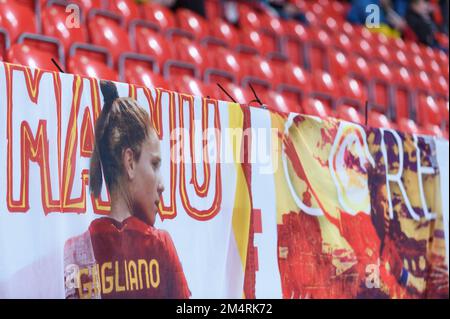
<point>110,94</point>
<point>122,124</point>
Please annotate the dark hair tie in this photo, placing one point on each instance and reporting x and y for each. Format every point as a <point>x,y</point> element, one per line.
<point>109,91</point>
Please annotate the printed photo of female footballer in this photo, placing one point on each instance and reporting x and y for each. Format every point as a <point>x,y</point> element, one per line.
<point>123,255</point>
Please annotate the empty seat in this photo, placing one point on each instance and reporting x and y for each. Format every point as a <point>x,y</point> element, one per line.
<point>223,34</point>
<point>379,120</point>
<point>428,111</point>
<point>277,102</point>
<point>349,113</point>
<point>248,18</point>
<point>91,68</point>
<point>293,42</point>
<point>295,82</point>
<point>28,56</point>
<point>316,107</point>
<point>250,42</point>
<point>237,93</point>
<point>129,10</point>
<point>226,66</point>
<point>260,73</point>
<point>339,65</point>
<point>192,23</point>
<point>319,41</point>
<point>106,30</point>
<point>190,59</point>
<point>351,93</point>
<point>55,25</point>
<point>189,85</point>
<point>87,5</point>
<point>408,126</point>
<point>402,92</point>
<point>16,19</point>
<point>153,44</point>
<point>325,88</point>
<point>342,42</point>
<point>141,75</point>
<point>159,15</point>
<point>380,93</point>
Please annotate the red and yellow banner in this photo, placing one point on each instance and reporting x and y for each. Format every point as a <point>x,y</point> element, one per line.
<point>257,204</point>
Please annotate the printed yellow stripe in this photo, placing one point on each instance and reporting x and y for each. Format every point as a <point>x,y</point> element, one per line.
<point>242,207</point>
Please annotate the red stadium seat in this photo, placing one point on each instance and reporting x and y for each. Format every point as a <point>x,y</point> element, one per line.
<point>55,26</point>
<point>226,66</point>
<point>422,84</point>
<point>213,9</point>
<point>224,33</point>
<point>359,68</point>
<point>153,44</point>
<point>402,92</point>
<point>260,73</point>
<point>442,59</point>
<point>428,111</point>
<point>352,93</point>
<point>91,68</point>
<point>380,94</point>
<point>141,75</point>
<point>408,126</point>
<point>413,47</point>
<point>239,95</point>
<point>418,64</point>
<point>343,43</point>
<point>325,88</point>
<point>248,18</point>
<point>317,50</point>
<point>159,15</point>
<point>106,30</point>
<point>251,42</point>
<point>399,58</point>
<point>271,24</point>
<point>378,120</point>
<point>363,48</point>
<point>333,25</point>
<point>271,32</point>
<point>383,53</point>
<point>350,30</point>
<point>433,68</point>
<point>280,103</point>
<point>189,85</point>
<point>193,23</point>
<point>294,42</point>
<point>190,58</point>
<point>296,82</point>
<point>349,113</point>
<point>26,55</point>
<point>440,86</point>
<point>87,5</point>
<point>127,9</point>
<point>338,63</point>
<point>316,107</point>
<point>399,44</point>
<point>16,19</point>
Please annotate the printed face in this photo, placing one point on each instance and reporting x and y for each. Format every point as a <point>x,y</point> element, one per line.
<point>147,185</point>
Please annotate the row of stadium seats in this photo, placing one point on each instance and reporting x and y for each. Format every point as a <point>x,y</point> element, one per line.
<point>301,65</point>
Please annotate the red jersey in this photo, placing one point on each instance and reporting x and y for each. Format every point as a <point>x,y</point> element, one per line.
<point>128,259</point>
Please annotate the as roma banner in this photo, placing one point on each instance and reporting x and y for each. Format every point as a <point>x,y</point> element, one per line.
<point>256,204</point>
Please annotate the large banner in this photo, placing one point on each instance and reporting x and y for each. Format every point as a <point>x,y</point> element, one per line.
<point>256,204</point>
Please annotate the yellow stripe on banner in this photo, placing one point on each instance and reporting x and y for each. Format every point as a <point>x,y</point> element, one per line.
<point>242,207</point>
